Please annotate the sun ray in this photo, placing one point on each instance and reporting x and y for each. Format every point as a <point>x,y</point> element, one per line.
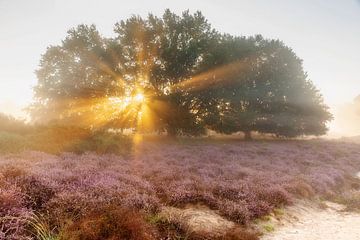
<point>219,75</point>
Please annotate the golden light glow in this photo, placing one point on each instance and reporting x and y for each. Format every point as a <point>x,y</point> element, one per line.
<point>218,75</point>
<point>122,103</point>
<point>137,109</point>
<point>139,97</point>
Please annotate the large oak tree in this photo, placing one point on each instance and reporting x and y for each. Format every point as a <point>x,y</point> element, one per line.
<point>191,77</point>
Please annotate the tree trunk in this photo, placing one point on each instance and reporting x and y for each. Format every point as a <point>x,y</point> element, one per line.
<point>247,136</point>
<point>171,132</point>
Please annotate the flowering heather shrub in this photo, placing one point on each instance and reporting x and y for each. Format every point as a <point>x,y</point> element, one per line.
<point>68,206</point>
<point>36,193</point>
<point>238,234</point>
<point>110,223</point>
<point>10,173</point>
<point>273,195</point>
<point>241,180</point>
<point>235,211</point>
<point>13,215</point>
<point>231,234</point>
<point>300,188</point>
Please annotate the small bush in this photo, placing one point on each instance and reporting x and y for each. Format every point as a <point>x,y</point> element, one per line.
<point>12,132</point>
<point>13,214</point>
<point>12,125</point>
<point>171,230</point>
<point>274,196</point>
<point>110,223</point>
<point>36,193</point>
<point>239,234</point>
<point>269,227</point>
<point>351,200</point>
<point>56,139</point>
<point>103,143</point>
<point>258,208</point>
<point>11,142</point>
<point>301,188</point>
<point>234,211</point>
<point>11,173</point>
<point>235,233</point>
<point>66,206</point>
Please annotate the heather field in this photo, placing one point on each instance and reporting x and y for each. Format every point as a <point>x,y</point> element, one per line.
<point>107,196</point>
<point>230,120</point>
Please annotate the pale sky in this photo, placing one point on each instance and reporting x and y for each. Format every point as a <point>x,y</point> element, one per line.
<point>324,33</point>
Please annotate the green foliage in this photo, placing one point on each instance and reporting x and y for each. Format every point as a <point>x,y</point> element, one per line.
<point>155,219</point>
<point>11,142</point>
<point>40,228</point>
<point>194,78</point>
<point>269,227</point>
<point>278,212</point>
<point>272,94</point>
<point>103,143</point>
<point>350,199</point>
<point>56,139</point>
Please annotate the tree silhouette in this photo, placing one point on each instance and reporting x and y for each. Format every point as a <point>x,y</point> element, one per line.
<point>177,74</point>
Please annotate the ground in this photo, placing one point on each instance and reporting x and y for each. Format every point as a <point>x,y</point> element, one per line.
<point>306,221</point>
<point>232,182</point>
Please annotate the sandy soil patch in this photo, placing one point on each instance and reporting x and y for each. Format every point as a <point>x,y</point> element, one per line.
<point>305,221</point>
<point>198,219</point>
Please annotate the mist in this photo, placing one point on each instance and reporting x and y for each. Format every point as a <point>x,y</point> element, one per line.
<point>346,119</point>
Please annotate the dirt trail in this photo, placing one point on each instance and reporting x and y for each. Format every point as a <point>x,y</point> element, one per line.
<point>310,223</point>
<point>305,221</point>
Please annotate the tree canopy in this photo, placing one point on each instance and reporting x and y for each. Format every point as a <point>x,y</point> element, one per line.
<point>178,75</point>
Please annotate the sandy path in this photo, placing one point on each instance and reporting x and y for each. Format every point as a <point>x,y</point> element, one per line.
<point>310,223</point>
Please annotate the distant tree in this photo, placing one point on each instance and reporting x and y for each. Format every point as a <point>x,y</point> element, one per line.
<point>11,124</point>
<point>191,76</point>
<point>273,94</point>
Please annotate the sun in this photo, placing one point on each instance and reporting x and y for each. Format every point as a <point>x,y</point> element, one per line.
<point>139,98</point>
<point>121,103</point>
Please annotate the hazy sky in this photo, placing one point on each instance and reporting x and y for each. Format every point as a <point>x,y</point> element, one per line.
<point>324,33</point>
